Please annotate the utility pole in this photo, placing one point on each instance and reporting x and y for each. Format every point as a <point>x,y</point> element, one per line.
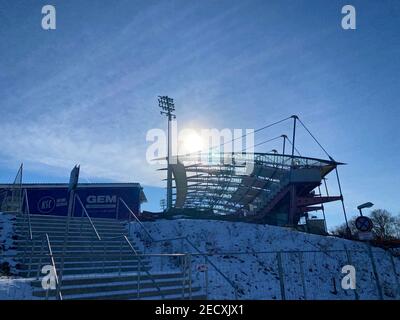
<point>293,196</point>
<point>168,107</point>
<point>284,136</point>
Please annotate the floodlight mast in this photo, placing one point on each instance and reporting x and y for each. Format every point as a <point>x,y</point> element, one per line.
<point>167,105</point>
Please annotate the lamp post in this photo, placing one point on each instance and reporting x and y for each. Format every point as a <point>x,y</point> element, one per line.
<point>364,224</point>
<point>167,106</point>
<point>363,206</point>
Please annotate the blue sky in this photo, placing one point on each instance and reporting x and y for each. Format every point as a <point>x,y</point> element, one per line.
<point>87,92</point>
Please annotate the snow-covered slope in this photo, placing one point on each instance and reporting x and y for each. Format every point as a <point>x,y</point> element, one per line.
<point>6,232</point>
<point>246,254</point>
<point>11,287</point>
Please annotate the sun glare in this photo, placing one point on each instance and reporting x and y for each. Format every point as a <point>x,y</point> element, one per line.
<point>193,142</point>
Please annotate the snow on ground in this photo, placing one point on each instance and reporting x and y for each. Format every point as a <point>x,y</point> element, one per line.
<point>6,243</point>
<point>11,287</point>
<point>247,255</point>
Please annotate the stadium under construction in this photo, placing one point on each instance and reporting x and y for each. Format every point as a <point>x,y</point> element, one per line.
<point>280,190</point>
<point>273,188</point>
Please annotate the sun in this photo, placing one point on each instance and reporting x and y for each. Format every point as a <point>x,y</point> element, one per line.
<point>193,142</point>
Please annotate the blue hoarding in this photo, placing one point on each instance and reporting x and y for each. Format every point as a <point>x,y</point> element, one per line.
<point>99,201</point>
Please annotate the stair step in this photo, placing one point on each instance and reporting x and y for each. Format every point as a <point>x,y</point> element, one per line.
<point>88,270</point>
<point>78,258</point>
<point>56,230</point>
<point>87,264</point>
<point>73,222</point>
<point>75,247</point>
<point>34,219</point>
<point>132,294</point>
<point>86,230</point>
<point>60,217</point>
<point>76,237</point>
<point>75,253</point>
<point>113,287</point>
<point>93,269</point>
<point>109,278</point>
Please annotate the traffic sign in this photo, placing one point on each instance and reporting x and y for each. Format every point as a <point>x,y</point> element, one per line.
<point>73,179</point>
<point>364,224</point>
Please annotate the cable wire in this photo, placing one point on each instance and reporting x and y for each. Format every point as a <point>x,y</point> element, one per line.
<point>315,139</point>
<point>255,131</point>
<point>258,144</point>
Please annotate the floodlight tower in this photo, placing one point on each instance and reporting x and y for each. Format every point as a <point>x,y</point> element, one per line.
<point>167,105</point>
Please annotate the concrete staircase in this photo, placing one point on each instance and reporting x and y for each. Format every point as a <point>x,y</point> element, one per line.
<point>95,269</point>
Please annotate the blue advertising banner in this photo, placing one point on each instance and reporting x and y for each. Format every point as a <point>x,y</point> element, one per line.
<point>99,201</point>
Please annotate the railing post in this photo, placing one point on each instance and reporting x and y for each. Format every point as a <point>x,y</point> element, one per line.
<point>40,260</point>
<point>138,277</point>
<point>120,257</point>
<point>378,284</point>
<point>302,275</point>
<point>190,275</point>
<point>395,274</point>
<point>91,251</point>
<point>281,279</point>
<point>30,258</point>
<point>117,210</point>
<point>184,275</point>
<point>206,276</point>
<point>350,262</point>
<point>104,255</point>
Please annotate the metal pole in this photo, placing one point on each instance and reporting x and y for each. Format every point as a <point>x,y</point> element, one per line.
<point>350,262</point>
<point>117,210</point>
<point>169,172</point>
<point>30,258</point>
<point>138,278</point>
<point>378,284</point>
<point>40,260</point>
<point>293,199</point>
<point>71,205</point>
<point>184,275</point>
<point>395,274</point>
<point>341,196</point>
<point>206,276</point>
<point>284,144</point>
<point>294,134</point>
<point>302,274</point>
<point>323,211</point>
<point>326,187</point>
<point>104,255</point>
<point>281,279</point>
<point>120,258</point>
<point>190,275</point>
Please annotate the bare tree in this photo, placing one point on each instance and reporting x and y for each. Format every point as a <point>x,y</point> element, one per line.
<point>397,226</point>
<point>384,224</point>
<point>341,230</point>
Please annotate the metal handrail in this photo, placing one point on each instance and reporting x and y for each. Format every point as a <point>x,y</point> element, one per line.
<point>87,215</point>
<point>231,283</point>
<point>58,285</point>
<point>25,199</point>
<point>125,238</point>
<point>145,270</point>
<point>45,237</point>
<point>137,219</point>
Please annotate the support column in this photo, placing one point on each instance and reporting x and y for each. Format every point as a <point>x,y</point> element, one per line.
<point>293,207</point>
